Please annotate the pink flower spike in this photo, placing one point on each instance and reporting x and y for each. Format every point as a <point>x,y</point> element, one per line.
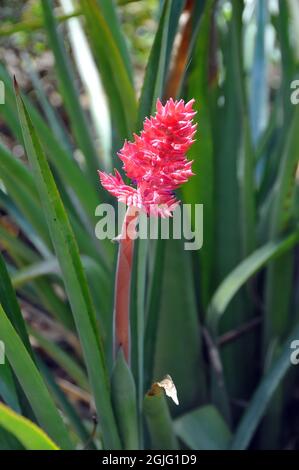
<point>156,160</point>
<point>157,164</point>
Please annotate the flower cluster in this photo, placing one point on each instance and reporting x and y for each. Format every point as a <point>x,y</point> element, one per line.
<point>156,161</point>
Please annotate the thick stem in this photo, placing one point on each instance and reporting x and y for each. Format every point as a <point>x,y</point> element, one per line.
<point>123,284</point>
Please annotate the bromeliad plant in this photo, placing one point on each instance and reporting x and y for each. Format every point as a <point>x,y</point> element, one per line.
<point>157,164</point>
<point>216,323</point>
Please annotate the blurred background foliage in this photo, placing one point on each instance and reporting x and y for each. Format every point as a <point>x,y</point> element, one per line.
<point>219,320</point>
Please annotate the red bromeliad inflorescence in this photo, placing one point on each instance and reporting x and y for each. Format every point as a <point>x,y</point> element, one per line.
<point>156,161</point>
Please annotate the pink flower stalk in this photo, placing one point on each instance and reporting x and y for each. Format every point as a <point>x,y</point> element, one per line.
<point>156,161</point>
<point>121,332</point>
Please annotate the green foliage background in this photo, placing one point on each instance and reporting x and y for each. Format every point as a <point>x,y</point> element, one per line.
<point>219,320</point>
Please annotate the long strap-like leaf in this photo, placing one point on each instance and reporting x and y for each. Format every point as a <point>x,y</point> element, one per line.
<point>73,275</point>
<point>263,395</point>
<point>31,436</point>
<point>32,383</point>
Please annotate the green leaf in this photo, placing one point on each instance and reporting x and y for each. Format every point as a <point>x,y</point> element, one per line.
<point>114,73</point>
<point>174,18</point>
<point>73,275</point>
<point>16,247</point>
<point>36,270</point>
<point>138,315</point>
<point>20,186</point>
<point>56,306</point>
<point>203,429</point>
<point>42,287</point>
<point>110,14</point>
<point>259,86</point>
<point>65,361</point>
<point>8,441</point>
<point>77,185</point>
<point>32,383</point>
<point>288,53</point>
<point>53,117</point>
<point>154,81</point>
<point>227,139</point>
<point>246,155</point>
<point>69,91</point>
<point>247,188</point>
<point>124,401</point>
<point>153,308</point>
<point>178,345</point>
<point>9,302</point>
<point>33,25</point>
<point>13,211</point>
<point>200,188</point>
<point>51,266</point>
<point>34,273</point>
<point>158,420</point>
<point>30,435</point>
<point>280,272</point>
<point>277,306</point>
<point>73,417</point>
<point>263,394</point>
<point>244,271</point>
<point>8,391</point>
